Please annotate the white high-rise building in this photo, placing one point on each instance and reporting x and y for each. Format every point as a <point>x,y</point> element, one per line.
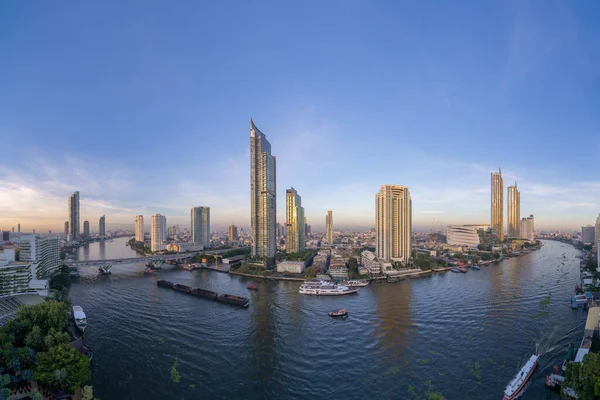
<point>498,204</point>
<point>263,199</point>
<point>329,227</point>
<point>393,222</point>
<point>200,225</point>
<point>74,225</point>
<point>139,228</point>
<point>294,221</point>
<point>27,247</point>
<point>43,251</point>
<point>158,232</point>
<point>527,229</point>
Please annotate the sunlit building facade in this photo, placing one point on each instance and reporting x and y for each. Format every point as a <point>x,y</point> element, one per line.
<point>497,204</point>
<point>329,227</point>
<point>158,232</point>
<point>514,211</point>
<point>294,221</point>
<point>393,221</point>
<point>464,235</point>
<point>139,228</point>
<point>200,225</point>
<point>74,216</point>
<point>527,228</point>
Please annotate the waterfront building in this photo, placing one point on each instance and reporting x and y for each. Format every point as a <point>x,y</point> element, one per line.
<point>597,238</point>
<point>74,215</point>
<point>329,227</point>
<point>527,228</point>
<point>465,235</point>
<point>393,221</point>
<point>294,222</point>
<point>514,211</point>
<point>498,204</point>
<point>588,234</point>
<point>263,200</point>
<point>200,225</point>
<point>183,247</point>
<point>139,228</point>
<point>369,260</point>
<point>233,233</point>
<point>294,267</point>
<point>338,268</point>
<point>102,226</point>
<point>158,232</point>
<point>86,229</point>
<point>66,229</point>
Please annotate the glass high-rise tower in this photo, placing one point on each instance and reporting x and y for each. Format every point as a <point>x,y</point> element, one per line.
<point>200,225</point>
<point>498,204</point>
<point>514,211</point>
<point>263,205</point>
<point>74,216</point>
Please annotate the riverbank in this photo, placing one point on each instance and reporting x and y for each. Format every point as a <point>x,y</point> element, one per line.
<point>272,278</point>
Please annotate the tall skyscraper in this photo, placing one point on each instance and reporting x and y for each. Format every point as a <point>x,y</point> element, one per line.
<point>102,226</point>
<point>527,228</point>
<point>19,228</point>
<point>263,200</point>
<point>66,228</point>
<point>498,204</point>
<point>86,229</point>
<point>393,221</point>
<point>200,225</point>
<point>514,211</point>
<point>233,233</point>
<point>74,226</point>
<point>158,232</point>
<point>588,234</point>
<point>294,222</point>
<point>597,238</point>
<point>139,228</point>
<point>329,227</point>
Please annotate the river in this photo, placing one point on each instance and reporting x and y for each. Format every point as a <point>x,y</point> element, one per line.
<point>468,334</point>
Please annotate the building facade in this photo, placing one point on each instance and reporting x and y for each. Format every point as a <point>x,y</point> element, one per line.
<point>597,238</point>
<point>393,221</point>
<point>158,232</point>
<point>139,228</point>
<point>514,211</point>
<point>66,229</point>
<point>200,225</point>
<point>86,229</point>
<point>233,233</point>
<point>329,227</point>
<point>464,235</point>
<point>497,204</point>
<point>527,228</point>
<point>102,226</point>
<point>294,222</point>
<point>588,234</point>
<point>74,225</point>
<point>263,199</point>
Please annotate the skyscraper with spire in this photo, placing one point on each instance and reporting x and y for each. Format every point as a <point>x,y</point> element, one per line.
<point>263,201</point>
<point>514,211</point>
<point>498,204</point>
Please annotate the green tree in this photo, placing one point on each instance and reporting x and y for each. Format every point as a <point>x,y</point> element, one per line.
<point>45,315</point>
<point>584,377</point>
<point>36,395</point>
<point>62,367</point>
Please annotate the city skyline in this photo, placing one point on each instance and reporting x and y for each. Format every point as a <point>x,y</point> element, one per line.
<point>408,93</point>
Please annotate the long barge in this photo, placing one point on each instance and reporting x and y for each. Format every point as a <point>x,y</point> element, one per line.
<point>207,294</point>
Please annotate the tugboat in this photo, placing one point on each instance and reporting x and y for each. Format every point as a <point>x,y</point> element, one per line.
<point>252,286</point>
<point>514,388</point>
<point>339,313</point>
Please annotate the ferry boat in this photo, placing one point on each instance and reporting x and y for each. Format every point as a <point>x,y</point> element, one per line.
<point>356,283</point>
<point>324,288</point>
<point>514,388</point>
<point>79,317</point>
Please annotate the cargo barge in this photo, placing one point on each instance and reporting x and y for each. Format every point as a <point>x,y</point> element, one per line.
<point>207,294</point>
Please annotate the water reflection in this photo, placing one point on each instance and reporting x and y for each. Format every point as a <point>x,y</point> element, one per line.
<point>394,316</point>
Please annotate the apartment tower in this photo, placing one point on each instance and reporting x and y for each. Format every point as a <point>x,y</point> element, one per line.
<point>139,228</point>
<point>294,222</point>
<point>158,232</point>
<point>329,227</point>
<point>200,224</point>
<point>263,205</point>
<point>514,211</point>
<point>233,233</point>
<point>74,216</point>
<point>86,229</point>
<point>498,204</point>
<point>393,221</point>
<point>102,226</point>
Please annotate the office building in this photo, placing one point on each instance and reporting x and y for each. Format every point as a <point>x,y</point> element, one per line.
<point>66,229</point>
<point>514,211</point>
<point>86,229</point>
<point>498,204</point>
<point>294,222</point>
<point>393,221</point>
<point>102,226</point>
<point>200,225</point>
<point>158,232</point>
<point>588,234</point>
<point>263,201</point>
<point>139,228</point>
<point>74,226</point>
<point>329,227</point>
<point>465,235</point>
<point>527,229</point>
<point>597,238</point>
<point>233,233</point>
<point>19,228</point>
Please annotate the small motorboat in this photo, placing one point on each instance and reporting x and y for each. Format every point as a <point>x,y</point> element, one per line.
<point>463,270</point>
<point>455,270</point>
<point>339,313</point>
<point>252,286</point>
<point>476,267</point>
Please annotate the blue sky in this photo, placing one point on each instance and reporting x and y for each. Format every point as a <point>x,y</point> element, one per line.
<point>144,107</point>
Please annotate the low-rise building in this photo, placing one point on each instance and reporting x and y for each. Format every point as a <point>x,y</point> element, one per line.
<point>369,261</point>
<point>294,267</point>
<point>183,247</point>
<point>16,277</point>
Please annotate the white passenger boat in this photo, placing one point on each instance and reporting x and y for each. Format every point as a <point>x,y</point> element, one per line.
<point>514,388</point>
<point>79,317</point>
<point>324,288</point>
<point>356,283</point>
